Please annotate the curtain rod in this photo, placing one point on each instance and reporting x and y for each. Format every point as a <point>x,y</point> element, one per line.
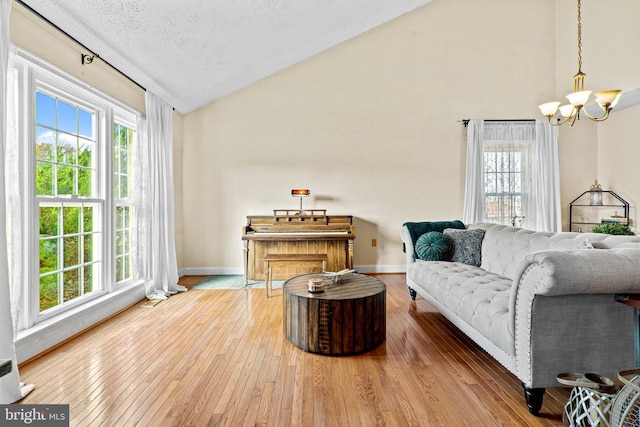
<point>22,3</point>
<point>465,122</point>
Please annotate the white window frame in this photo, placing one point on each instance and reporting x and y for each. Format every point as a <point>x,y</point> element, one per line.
<point>34,74</point>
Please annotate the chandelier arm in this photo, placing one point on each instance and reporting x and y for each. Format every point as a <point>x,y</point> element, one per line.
<point>559,122</point>
<point>601,118</point>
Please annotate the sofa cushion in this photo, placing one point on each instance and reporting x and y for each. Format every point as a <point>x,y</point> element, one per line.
<point>478,297</point>
<point>433,246</point>
<point>467,245</point>
<point>417,229</point>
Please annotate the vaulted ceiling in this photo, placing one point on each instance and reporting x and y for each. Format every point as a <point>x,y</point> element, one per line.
<point>193,52</point>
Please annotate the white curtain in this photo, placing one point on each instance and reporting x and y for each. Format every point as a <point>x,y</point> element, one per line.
<point>474,210</point>
<point>546,184</point>
<point>538,144</point>
<point>154,235</point>
<point>11,390</point>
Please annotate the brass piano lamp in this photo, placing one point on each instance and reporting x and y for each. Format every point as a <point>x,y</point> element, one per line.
<point>301,194</point>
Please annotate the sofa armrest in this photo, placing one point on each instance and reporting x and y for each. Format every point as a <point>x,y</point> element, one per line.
<point>565,319</point>
<point>410,255</point>
<point>581,271</point>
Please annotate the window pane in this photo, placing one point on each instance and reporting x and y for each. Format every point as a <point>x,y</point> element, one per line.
<point>127,266</point>
<point>66,180</point>
<point>45,144</point>
<point>48,255</point>
<point>119,269</point>
<point>49,221</point>
<point>88,279</point>
<point>124,187</point>
<point>85,124</point>
<point>87,215</point>
<point>119,217</point>
<point>516,182</point>
<point>126,214</point>
<point>67,149</point>
<point>116,187</point>
<point>71,217</point>
<point>44,179</point>
<point>124,163</point>
<point>45,110</point>
<point>490,183</point>
<point>85,153</point>
<point>116,135</point>
<point>67,118</point>
<point>84,182</point>
<point>119,242</point>
<point>49,291</point>
<point>71,251</point>
<point>71,285</point>
<point>88,248</point>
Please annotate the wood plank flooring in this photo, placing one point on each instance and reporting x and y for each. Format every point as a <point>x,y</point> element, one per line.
<point>218,358</point>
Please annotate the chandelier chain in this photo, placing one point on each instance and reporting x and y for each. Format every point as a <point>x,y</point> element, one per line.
<point>579,39</point>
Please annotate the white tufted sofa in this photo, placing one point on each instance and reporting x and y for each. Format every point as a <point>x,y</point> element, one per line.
<point>540,303</point>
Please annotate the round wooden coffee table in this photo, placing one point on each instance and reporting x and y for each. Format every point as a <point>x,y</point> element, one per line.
<point>347,317</point>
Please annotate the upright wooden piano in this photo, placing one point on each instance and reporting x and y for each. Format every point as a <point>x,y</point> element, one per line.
<point>297,232</point>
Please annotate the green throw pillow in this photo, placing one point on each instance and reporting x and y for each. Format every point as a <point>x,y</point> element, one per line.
<point>433,246</point>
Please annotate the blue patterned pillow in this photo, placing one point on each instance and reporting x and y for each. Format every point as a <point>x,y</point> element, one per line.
<point>467,245</point>
<point>433,246</point>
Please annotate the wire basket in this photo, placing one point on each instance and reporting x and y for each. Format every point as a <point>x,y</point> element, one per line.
<point>588,408</point>
<point>590,401</point>
<point>626,405</point>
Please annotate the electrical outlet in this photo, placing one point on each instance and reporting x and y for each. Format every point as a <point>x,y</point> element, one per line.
<point>374,242</point>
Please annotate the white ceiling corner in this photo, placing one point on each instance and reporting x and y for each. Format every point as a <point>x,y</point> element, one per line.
<point>193,52</point>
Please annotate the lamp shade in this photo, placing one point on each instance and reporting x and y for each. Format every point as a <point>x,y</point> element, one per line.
<point>578,99</point>
<point>300,193</point>
<point>607,98</point>
<point>567,110</point>
<point>549,109</point>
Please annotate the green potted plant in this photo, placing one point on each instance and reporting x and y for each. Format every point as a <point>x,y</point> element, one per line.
<point>612,228</point>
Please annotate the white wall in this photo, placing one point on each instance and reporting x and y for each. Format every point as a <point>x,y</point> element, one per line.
<point>371,126</point>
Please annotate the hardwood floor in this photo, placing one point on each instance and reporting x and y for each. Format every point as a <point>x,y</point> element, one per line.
<point>218,357</point>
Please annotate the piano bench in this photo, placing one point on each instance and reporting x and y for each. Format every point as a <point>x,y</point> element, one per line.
<point>271,259</point>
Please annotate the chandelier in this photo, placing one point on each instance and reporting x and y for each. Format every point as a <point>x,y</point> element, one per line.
<point>569,113</point>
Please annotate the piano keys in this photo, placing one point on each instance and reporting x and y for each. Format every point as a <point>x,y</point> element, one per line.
<point>297,232</point>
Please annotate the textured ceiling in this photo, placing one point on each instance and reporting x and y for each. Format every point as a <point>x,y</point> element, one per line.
<point>192,52</point>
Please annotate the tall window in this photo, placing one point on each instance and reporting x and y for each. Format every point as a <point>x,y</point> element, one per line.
<point>123,142</point>
<point>77,187</point>
<point>65,172</point>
